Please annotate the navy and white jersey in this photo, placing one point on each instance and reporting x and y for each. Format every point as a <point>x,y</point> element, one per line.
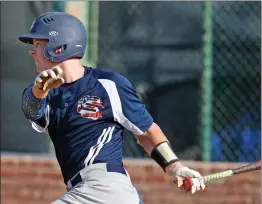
<point>85,119</point>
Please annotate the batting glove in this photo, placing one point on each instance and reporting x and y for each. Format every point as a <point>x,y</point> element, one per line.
<point>49,79</point>
<point>180,172</point>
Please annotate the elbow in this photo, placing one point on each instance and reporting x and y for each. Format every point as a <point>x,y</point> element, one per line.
<point>145,139</point>
<point>152,132</point>
<point>151,138</point>
<point>29,113</point>
<point>141,139</point>
<point>33,109</point>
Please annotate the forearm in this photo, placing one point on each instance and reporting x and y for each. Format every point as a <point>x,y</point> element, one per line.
<point>32,106</point>
<point>150,139</point>
<point>158,147</point>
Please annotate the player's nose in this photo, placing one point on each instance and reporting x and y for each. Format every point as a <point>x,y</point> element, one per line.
<point>31,52</point>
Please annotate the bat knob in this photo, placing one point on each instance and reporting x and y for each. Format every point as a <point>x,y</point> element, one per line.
<point>187,184</point>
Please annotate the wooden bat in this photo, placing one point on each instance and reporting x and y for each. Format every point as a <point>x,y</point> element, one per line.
<point>187,182</point>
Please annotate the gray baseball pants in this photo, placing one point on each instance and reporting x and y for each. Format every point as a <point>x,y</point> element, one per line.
<point>98,186</point>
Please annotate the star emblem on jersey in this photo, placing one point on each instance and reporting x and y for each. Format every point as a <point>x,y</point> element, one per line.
<point>88,107</point>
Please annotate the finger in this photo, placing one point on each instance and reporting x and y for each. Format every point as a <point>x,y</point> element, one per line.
<point>196,174</point>
<point>51,73</point>
<point>193,189</point>
<point>62,80</point>
<point>38,79</point>
<point>58,70</point>
<point>59,81</point>
<point>196,183</point>
<point>43,74</point>
<point>53,83</point>
<point>48,83</point>
<point>198,187</point>
<point>202,184</point>
<point>192,174</point>
<point>38,85</point>
<point>178,181</point>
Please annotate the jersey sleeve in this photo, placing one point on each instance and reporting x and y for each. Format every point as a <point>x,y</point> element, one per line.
<point>127,109</point>
<point>35,110</point>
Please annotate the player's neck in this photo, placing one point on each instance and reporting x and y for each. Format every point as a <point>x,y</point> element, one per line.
<point>73,70</point>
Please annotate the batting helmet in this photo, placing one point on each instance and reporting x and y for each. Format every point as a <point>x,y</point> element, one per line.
<point>62,30</point>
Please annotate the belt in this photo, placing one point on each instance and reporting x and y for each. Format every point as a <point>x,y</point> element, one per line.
<point>109,168</point>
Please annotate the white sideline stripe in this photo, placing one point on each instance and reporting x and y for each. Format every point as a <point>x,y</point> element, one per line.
<point>99,143</point>
<point>102,144</point>
<point>92,150</point>
<point>39,128</point>
<point>116,105</point>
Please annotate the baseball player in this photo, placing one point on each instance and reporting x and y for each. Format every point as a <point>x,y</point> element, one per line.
<point>84,111</point>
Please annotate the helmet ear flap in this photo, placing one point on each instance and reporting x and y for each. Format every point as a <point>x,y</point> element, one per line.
<point>60,49</point>
<point>52,53</point>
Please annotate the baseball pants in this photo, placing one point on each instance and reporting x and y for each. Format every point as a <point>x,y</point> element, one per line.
<point>100,186</point>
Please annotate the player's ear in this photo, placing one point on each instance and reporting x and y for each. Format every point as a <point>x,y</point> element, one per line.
<point>58,51</point>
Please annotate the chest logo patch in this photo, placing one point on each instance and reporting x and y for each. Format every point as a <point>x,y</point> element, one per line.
<point>88,107</point>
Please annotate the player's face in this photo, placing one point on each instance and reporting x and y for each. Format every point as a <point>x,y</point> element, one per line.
<point>37,52</point>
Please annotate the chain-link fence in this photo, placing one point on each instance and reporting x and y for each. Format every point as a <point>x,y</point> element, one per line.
<point>157,46</point>
<point>198,68</point>
<point>237,81</point>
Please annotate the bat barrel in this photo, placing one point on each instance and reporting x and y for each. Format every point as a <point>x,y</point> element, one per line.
<point>251,167</point>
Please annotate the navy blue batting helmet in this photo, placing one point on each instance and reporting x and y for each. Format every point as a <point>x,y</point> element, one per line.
<point>62,30</point>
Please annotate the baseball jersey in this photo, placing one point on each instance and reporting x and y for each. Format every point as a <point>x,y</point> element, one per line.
<point>85,119</point>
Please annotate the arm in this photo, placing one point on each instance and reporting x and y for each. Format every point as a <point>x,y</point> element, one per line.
<point>132,114</point>
<point>157,146</point>
<point>34,103</point>
<point>34,97</point>
<point>151,138</point>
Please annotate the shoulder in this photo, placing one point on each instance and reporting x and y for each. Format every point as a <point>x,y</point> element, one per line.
<point>104,76</point>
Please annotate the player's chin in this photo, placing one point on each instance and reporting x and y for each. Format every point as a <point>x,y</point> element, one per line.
<point>39,70</point>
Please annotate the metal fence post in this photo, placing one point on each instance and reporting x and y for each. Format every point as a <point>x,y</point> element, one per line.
<point>92,32</point>
<point>206,82</point>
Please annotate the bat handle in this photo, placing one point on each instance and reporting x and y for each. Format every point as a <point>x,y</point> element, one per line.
<point>187,184</point>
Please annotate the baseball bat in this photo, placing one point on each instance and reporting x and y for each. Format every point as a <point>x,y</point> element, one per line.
<point>187,182</point>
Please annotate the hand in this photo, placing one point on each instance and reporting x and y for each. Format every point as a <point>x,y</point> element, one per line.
<point>180,172</point>
<point>49,79</point>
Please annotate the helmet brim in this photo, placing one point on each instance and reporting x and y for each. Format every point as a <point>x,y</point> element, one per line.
<point>28,38</point>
